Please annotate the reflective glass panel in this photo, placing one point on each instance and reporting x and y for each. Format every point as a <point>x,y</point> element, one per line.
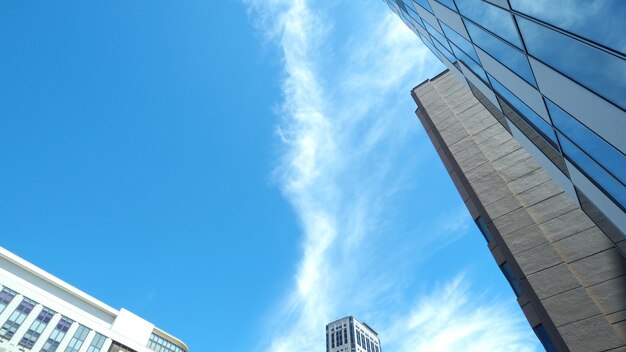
<point>604,153</point>
<point>424,4</point>
<point>428,43</point>
<point>602,21</point>
<point>436,35</point>
<point>445,52</point>
<point>491,17</point>
<point>599,71</point>
<point>540,124</point>
<point>610,185</point>
<point>504,53</point>
<point>460,41</point>
<point>448,3</point>
<point>469,62</point>
<point>409,5</point>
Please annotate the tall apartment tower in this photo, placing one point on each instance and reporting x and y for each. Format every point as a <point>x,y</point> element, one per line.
<point>558,65</point>
<point>569,278</point>
<point>350,335</point>
<point>39,312</point>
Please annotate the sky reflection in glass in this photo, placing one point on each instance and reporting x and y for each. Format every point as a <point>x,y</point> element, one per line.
<point>605,154</point>
<point>492,18</point>
<point>506,54</point>
<point>593,170</point>
<point>601,72</point>
<point>602,21</point>
<point>540,124</point>
<point>460,41</point>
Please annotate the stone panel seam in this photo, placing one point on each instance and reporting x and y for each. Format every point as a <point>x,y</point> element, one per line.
<point>601,282</point>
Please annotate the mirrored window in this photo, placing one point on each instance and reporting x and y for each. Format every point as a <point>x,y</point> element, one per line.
<point>604,153</point>
<point>438,36</point>
<point>600,71</point>
<point>460,41</point>
<point>448,3</point>
<point>504,53</point>
<point>424,4</point>
<point>492,18</point>
<point>602,21</point>
<point>445,51</point>
<point>602,178</point>
<point>428,43</point>
<point>473,65</point>
<point>527,113</point>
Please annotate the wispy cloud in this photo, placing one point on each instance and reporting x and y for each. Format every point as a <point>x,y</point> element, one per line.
<point>351,150</point>
<point>447,321</point>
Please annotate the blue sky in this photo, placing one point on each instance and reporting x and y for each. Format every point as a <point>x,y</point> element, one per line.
<point>241,173</point>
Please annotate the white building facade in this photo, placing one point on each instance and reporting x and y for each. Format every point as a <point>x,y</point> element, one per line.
<point>350,335</point>
<point>39,312</point>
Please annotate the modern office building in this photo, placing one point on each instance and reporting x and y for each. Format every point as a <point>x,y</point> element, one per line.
<point>350,335</point>
<point>569,278</point>
<point>39,312</point>
<point>530,122</point>
<point>558,65</point>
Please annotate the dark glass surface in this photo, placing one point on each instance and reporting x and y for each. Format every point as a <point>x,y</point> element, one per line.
<point>599,71</point>
<point>492,18</point>
<point>515,285</point>
<point>460,41</point>
<point>482,226</point>
<point>540,124</point>
<point>504,53</point>
<point>603,153</point>
<point>594,171</point>
<point>602,21</point>
<point>543,336</point>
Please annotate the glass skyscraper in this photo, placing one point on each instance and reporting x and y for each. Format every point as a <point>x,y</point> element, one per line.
<point>553,73</point>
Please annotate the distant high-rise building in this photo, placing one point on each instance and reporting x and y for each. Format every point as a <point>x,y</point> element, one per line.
<point>558,67</point>
<point>350,335</point>
<point>39,312</point>
<point>568,277</point>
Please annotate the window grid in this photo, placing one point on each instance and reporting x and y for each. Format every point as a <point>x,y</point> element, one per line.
<point>57,335</point>
<point>77,340</point>
<point>37,327</point>
<point>6,296</point>
<point>161,344</point>
<point>97,343</point>
<point>17,318</point>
